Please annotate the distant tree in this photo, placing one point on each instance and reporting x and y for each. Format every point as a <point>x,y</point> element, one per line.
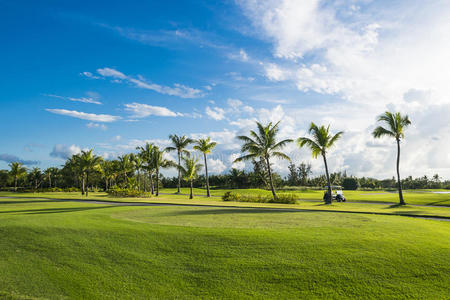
<point>190,171</point>
<point>264,145</point>
<point>292,177</point>
<point>321,141</point>
<point>35,176</point>
<point>205,146</point>
<point>396,124</point>
<point>179,144</point>
<point>147,157</point>
<point>304,171</point>
<point>126,166</point>
<point>158,161</point>
<point>17,171</point>
<point>350,183</point>
<point>89,163</point>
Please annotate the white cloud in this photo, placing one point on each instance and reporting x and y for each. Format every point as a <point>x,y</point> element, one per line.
<point>64,151</point>
<point>216,165</point>
<point>96,125</point>
<point>92,99</point>
<point>178,90</point>
<point>83,115</point>
<point>215,113</point>
<point>140,110</point>
<point>108,72</point>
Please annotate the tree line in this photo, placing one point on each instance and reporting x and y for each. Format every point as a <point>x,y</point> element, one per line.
<point>141,171</point>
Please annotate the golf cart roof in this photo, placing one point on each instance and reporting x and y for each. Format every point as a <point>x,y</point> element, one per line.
<point>334,187</point>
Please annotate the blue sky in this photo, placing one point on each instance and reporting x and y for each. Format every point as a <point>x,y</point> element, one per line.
<point>111,75</point>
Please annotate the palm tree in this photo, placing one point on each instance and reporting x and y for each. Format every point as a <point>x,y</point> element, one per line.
<point>205,146</point>
<point>321,141</point>
<point>138,164</point>
<point>146,155</point>
<point>158,161</point>
<point>17,171</point>
<point>190,171</point>
<point>179,145</point>
<point>263,145</point>
<point>396,123</point>
<point>126,166</point>
<point>49,173</point>
<point>35,177</point>
<point>89,163</point>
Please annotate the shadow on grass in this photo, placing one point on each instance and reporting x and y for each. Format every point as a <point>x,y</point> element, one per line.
<point>52,210</point>
<point>29,201</point>
<point>437,203</point>
<point>223,211</point>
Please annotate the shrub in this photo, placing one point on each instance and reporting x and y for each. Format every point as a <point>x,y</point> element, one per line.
<point>285,198</point>
<point>123,193</point>
<point>350,183</point>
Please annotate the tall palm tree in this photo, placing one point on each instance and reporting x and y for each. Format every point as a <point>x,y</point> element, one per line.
<point>321,141</point>
<point>147,157</point>
<point>89,163</point>
<point>158,161</point>
<point>179,144</point>
<point>396,124</point>
<point>205,146</point>
<point>190,171</point>
<point>17,171</point>
<point>138,164</point>
<point>265,146</point>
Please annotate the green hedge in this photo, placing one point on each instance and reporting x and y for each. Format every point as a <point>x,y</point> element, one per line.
<point>285,198</point>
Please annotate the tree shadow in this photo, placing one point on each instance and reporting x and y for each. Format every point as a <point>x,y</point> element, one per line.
<point>224,211</point>
<point>437,203</point>
<point>52,210</point>
<point>29,201</point>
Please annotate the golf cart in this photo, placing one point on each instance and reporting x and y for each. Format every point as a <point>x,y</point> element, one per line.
<point>336,193</point>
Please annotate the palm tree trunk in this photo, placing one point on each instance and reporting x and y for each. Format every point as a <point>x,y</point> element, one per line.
<point>207,178</point>
<point>400,192</point>
<point>157,181</point>
<point>330,197</point>
<point>192,187</point>
<point>270,178</point>
<point>87,183</point>
<point>179,174</point>
<point>151,182</point>
<point>49,181</point>
<point>139,180</point>
<point>15,183</point>
<point>82,185</point>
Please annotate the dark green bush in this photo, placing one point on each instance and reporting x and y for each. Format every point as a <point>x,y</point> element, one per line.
<point>284,198</point>
<point>350,183</point>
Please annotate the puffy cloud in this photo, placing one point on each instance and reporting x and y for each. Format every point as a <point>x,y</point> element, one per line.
<point>216,165</point>
<point>141,110</point>
<point>64,151</point>
<point>9,158</point>
<point>83,115</point>
<point>215,113</point>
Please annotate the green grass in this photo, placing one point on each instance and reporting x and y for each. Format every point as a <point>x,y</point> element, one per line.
<point>421,197</point>
<point>55,250</point>
<point>363,207</point>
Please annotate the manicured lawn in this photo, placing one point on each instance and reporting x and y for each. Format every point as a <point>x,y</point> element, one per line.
<point>54,249</point>
<point>364,207</point>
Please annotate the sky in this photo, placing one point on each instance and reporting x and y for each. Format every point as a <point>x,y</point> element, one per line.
<point>113,75</point>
